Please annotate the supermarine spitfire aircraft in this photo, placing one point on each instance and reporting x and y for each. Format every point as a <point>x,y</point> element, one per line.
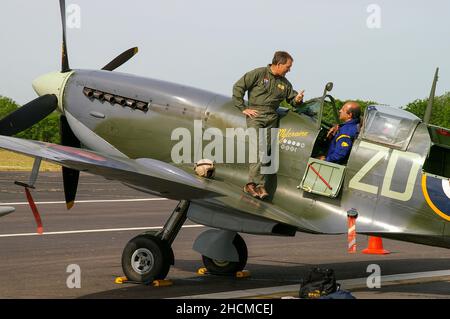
<point>120,126</point>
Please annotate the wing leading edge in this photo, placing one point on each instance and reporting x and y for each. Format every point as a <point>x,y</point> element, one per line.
<point>156,177</point>
<point>161,178</point>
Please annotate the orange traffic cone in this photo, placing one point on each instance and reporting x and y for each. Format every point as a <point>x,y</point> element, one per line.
<point>375,247</point>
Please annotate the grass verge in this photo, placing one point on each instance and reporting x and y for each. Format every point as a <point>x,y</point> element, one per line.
<point>10,161</point>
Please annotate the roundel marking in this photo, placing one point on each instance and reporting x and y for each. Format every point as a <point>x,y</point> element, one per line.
<point>436,192</point>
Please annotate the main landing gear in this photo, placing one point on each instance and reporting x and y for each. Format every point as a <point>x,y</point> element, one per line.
<point>225,264</point>
<point>148,256</point>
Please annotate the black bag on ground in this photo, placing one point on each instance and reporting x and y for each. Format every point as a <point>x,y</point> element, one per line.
<point>319,282</point>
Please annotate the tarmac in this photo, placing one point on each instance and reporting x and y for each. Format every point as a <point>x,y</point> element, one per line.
<point>107,214</point>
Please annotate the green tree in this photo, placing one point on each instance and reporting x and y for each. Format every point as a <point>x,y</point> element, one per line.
<point>7,106</point>
<point>46,130</point>
<point>440,115</point>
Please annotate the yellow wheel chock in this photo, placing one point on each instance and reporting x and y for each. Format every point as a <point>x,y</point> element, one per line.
<point>239,274</point>
<point>155,283</point>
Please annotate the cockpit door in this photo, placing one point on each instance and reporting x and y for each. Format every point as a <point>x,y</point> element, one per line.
<point>323,178</point>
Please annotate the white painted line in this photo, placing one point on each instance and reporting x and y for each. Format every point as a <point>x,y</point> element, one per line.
<point>92,231</point>
<point>345,284</point>
<point>415,275</point>
<point>93,201</point>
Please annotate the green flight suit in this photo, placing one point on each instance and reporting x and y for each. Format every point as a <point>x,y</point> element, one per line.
<point>265,93</point>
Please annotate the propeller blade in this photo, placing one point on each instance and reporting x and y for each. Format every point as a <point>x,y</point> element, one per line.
<point>28,115</point>
<point>64,57</point>
<point>120,59</point>
<point>70,176</point>
<point>70,181</point>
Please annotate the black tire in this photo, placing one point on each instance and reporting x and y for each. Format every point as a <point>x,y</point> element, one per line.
<point>146,258</point>
<point>222,267</point>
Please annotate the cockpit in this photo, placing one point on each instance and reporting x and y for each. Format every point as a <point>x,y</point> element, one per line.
<point>384,125</point>
<point>321,177</point>
<point>389,126</point>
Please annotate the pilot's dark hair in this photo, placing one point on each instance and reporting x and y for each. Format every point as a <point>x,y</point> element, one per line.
<point>355,111</point>
<point>281,57</point>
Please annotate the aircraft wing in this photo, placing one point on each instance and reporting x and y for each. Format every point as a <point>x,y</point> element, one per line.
<point>158,178</point>
<point>161,178</point>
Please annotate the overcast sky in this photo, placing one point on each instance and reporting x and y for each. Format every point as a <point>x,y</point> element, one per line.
<point>387,52</point>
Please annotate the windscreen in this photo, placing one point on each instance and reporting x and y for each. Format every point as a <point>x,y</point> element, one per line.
<point>311,108</point>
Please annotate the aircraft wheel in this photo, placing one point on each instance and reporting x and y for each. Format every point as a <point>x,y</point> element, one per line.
<point>146,258</point>
<point>223,267</point>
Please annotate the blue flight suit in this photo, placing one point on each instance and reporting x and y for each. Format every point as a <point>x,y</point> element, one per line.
<point>342,141</point>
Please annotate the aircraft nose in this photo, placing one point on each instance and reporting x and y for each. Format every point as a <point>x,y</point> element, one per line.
<point>51,83</point>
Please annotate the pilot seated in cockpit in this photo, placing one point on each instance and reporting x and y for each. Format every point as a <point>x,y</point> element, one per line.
<point>343,135</point>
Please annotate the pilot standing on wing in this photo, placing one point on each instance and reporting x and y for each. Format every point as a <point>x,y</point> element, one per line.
<point>343,134</point>
<point>267,87</point>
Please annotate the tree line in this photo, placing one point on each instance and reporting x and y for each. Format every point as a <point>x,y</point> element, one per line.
<point>47,130</point>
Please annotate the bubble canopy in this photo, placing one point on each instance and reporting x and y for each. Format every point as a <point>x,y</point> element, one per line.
<point>388,125</point>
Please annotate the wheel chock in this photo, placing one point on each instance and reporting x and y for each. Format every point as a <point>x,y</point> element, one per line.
<point>202,271</point>
<point>243,274</point>
<point>120,280</point>
<point>238,274</point>
<point>155,283</point>
<point>162,283</point>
